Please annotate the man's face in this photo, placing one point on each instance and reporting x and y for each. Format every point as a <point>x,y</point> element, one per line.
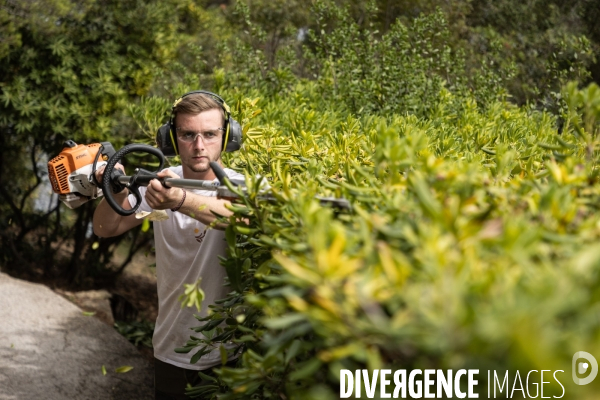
<point>196,155</point>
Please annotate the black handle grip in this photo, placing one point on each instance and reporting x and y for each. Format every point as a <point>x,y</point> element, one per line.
<point>109,179</point>
<point>220,173</point>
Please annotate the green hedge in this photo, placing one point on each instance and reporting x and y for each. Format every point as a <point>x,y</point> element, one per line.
<point>472,244</point>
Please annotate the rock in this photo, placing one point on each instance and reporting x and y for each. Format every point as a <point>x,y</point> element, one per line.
<point>50,350</point>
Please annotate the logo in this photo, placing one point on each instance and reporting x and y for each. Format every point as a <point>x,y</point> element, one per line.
<point>582,367</point>
<point>200,237</point>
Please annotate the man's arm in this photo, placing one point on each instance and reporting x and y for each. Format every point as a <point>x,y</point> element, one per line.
<point>200,207</point>
<point>106,221</point>
<point>194,205</point>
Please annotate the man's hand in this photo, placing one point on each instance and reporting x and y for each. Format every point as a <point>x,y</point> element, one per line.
<point>106,221</point>
<point>194,205</point>
<point>160,197</point>
<point>99,174</point>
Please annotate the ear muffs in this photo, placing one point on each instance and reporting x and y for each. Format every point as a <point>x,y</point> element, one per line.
<point>166,138</point>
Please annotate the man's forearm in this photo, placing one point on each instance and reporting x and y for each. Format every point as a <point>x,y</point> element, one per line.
<point>106,221</point>
<point>200,207</point>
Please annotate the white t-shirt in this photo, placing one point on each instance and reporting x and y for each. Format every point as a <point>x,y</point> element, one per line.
<point>185,251</point>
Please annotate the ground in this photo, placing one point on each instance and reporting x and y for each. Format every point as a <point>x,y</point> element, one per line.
<point>136,285</point>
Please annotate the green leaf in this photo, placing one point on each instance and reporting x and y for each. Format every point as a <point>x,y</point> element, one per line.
<point>234,273</point>
<point>145,225</point>
<point>210,325</point>
<point>199,354</point>
<point>193,295</point>
<point>207,377</point>
<point>183,350</point>
<point>223,352</point>
<point>285,321</point>
<point>305,369</point>
<point>123,369</point>
<point>293,351</point>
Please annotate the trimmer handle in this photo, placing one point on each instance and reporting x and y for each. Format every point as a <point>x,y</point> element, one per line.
<point>110,178</point>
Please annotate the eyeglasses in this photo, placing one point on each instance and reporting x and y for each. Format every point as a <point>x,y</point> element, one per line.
<point>211,136</point>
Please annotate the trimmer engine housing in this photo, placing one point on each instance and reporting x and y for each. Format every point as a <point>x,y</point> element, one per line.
<point>70,172</point>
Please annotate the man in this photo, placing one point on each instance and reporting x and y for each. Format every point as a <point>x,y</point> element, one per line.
<point>200,128</point>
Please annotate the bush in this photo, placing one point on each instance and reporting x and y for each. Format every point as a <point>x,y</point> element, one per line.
<point>472,244</point>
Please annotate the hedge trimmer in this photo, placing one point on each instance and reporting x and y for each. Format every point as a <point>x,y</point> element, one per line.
<point>72,175</point>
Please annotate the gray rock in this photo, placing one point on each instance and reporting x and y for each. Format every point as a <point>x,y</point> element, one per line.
<point>50,350</point>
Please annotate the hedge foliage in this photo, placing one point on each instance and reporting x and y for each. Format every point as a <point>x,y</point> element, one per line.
<point>472,244</point>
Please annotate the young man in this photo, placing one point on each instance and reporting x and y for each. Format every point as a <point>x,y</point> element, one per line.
<point>185,249</point>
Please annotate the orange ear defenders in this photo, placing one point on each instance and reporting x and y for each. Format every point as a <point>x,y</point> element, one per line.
<point>166,138</point>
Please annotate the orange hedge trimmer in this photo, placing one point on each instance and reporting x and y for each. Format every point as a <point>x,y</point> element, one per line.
<point>72,175</point>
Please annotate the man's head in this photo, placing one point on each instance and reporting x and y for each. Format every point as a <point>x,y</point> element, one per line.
<point>199,124</point>
<point>197,102</point>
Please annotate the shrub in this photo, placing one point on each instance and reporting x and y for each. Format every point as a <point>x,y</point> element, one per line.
<point>472,244</point>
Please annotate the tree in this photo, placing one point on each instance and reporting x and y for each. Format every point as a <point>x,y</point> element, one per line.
<point>69,69</point>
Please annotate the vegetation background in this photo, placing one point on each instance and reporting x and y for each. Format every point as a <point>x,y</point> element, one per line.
<point>464,133</point>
